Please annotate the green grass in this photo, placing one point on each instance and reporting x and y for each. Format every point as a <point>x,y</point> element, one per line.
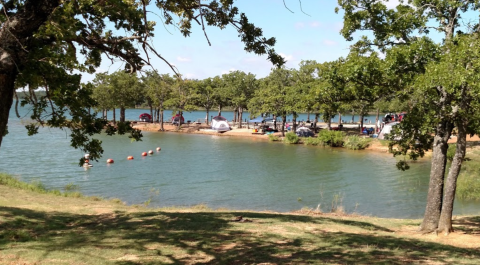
<point>41,228</point>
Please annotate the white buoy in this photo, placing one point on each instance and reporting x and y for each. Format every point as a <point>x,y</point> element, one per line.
<point>158,149</point>
<point>150,151</point>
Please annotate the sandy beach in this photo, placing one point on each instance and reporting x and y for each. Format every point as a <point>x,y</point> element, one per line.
<point>239,132</point>
<point>249,132</point>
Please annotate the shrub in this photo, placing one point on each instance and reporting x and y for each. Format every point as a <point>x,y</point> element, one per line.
<point>311,141</point>
<point>11,181</point>
<point>468,184</point>
<point>71,187</point>
<point>356,142</point>
<point>273,137</point>
<point>291,138</point>
<point>331,138</point>
<point>452,148</point>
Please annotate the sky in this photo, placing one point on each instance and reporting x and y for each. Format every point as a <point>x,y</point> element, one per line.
<point>309,35</point>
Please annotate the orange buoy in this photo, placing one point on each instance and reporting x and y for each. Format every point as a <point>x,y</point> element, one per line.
<point>110,161</point>
<point>130,158</point>
<point>158,149</point>
<point>150,152</point>
<point>144,154</point>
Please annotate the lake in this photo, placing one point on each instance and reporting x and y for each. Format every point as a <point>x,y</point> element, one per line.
<point>224,172</point>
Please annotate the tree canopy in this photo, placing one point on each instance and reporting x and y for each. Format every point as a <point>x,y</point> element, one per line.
<point>47,44</point>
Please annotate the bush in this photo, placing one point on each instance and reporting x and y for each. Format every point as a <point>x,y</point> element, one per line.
<point>311,141</point>
<point>468,183</point>
<point>291,138</point>
<point>452,148</point>
<point>356,142</point>
<point>331,138</point>
<point>273,138</point>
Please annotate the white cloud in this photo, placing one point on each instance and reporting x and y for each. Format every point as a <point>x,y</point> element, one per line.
<point>315,24</point>
<point>299,25</point>
<point>329,42</point>
<point>183,59</point>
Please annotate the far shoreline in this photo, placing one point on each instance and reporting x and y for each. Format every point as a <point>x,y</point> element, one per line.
<point>243,132</point>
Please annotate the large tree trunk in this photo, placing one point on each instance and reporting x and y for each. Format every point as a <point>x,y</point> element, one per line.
<point>151,113</point>
<point>161,121</point>
<point>284,121</point>
<point>235,116</point>
<point>445,223</point>
<point>179,124</point>
<point>114,116</point>
<point>315,122</point>
<point>274,122</point>
<point>206,118</point>
<point>361,123</point>
<point>15,33</point>
<point>7,88</point>
<point>294,120</point>
<point>376,121</point>
<point>437,173</point>
<point>122,114</point>
<point>240,117</point>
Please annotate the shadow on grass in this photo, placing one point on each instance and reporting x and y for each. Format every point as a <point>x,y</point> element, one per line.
<point>468,225</point>
<point>211,238</point>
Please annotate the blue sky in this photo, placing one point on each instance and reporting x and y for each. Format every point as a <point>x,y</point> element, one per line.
<point>313,35</point>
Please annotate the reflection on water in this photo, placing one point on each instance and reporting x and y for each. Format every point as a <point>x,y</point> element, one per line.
<point>235,173</point>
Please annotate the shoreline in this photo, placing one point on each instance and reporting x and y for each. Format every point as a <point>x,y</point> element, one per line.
<point>375,145</point>
<point>241,132</point>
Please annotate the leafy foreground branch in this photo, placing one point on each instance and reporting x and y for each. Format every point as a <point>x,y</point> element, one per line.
<point>40,228</point>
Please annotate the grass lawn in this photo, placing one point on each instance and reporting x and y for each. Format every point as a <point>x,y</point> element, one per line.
<point>40,228</point>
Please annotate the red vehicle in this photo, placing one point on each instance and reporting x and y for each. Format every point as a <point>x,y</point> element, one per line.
<point>145,117</point>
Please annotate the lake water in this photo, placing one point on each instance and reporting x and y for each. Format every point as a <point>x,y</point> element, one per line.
<point>223,172</point>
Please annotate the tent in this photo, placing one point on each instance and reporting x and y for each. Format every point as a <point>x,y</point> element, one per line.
<point>387,128</point>
<point>304,132</point>
<point>220,124</point>
<point>176,118</point>
<point>145,117</point>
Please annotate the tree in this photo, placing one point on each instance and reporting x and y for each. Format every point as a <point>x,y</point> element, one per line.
<point>51,40</point>
<point>273,95</point>
<point>329,89</point>
<point>126,91</point>
<point>159,91</point>
<point>240,87</point>
<point>102,94</point>
<point>304,84</point>
<point>205,95</point>
<point>183,96</point>
<point>440,76</point>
